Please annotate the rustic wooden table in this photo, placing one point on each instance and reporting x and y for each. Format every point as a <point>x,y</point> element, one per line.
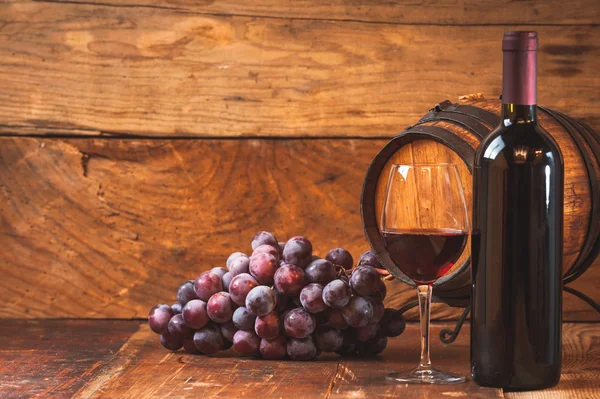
<point>123,359</point>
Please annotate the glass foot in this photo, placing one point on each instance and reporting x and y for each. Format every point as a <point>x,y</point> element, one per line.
<point>425,376</point>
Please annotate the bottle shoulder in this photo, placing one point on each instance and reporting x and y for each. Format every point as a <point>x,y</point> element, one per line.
<point>510,143</point>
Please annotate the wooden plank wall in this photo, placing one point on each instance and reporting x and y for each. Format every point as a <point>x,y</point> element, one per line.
<point>143,141</point>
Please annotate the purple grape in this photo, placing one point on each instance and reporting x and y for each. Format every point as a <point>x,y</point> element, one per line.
<point>243,319</point>
<point>207,284</point>
<point>336,294</point>
<point>301,349</point>
<point>298,323</point>
<point>234,256</point>
<point>336,319</point>
<point>320,271</point>
<point>220,307</point>
<point>281,245</point>
<point>264,238</point>
<point>365,281</point>
<point>220,271</point>
<point>194,314</point>
<point>176,307</point>
<point>239,265</point>
<point>246,342</point>
<point>267,249</point>
<point>261,300</point>
<point>186,293</point>
<point>240,286</point>
<point>178,327</point>
<point>367,332</point>
<point>209,340</point>
<point>378,310</point>
<point>392,323</point>
<point>311,298</point>
<point>228,330</point>
<point>381,292</point>
<point>328,339</point>
<point>369,259</point>
<point>267,326</point>
<point>171,341</point>
<point>227,277</point>
<point>298,251</point>
<point>263,267</point>
<point>159,317</point>
<point>339,256</point>
<point>349,344</point>
<point>289,279</point>
<point>358,312</point>
<point>374,346</point>
<point>273,349</point>
<point>189,346</point>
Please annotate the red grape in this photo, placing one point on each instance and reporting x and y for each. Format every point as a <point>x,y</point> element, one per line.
<point>220,307</point>
<point>320,271</point>
<point>263,267</point>
<point>336,319</point>
<point>298,251</point>
<point>260,300</point>
<point>336,294</point>
<point>243,319</point>
<point>239,265</point>
<point>392,323</point>
<point>358,312</point>
<point>369,259</point>
<point>264,238</point>
<point>267,326</point>
<point>158,318</point>
<point>298,323</point>
<point>186,293</point>
<point>311,298</point>
<point>289,279</point>
<point>301,349</point>
<point>228,330</point>
<point>233,256</point>
<point>364,281</point>
<point>246,342</point>
<point>209,340</point>
<point>189,346</point>
<point>227,277</point>
<point>176,307</point>
<point>207,284</point>
<point>281,245</point>
<point>178,327</point>
<point>367,332</point>
<point>220,271</point>
<point>171,341</point>
<point>374,346</point>
<point>273,349</point>
<point>328,339</point>
<point>339,256</point>
<point>267,249</point>
<point>194,314</point>
<point>240,286</point>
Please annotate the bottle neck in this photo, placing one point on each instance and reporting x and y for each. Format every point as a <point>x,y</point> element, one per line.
<point>519,83</point>
<point>516,113</point>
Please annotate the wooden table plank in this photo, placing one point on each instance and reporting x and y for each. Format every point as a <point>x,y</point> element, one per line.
<point>365,378</point>
<point>55,358</point>
<point>146,370</point>
<point>581,366</point>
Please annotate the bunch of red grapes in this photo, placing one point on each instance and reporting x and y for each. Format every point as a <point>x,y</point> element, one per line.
<point>281,302</point>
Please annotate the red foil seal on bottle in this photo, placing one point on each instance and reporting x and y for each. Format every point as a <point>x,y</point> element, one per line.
<point>519,69</point>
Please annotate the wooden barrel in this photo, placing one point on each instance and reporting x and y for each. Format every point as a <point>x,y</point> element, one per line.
<point>451,133</point>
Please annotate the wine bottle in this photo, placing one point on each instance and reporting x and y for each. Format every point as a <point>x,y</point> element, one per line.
<point>517,237</point>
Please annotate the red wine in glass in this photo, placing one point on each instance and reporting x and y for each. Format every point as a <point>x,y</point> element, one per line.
<point>425,255</point>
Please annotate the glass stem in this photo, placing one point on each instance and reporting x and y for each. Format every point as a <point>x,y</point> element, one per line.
<point>424,295</point>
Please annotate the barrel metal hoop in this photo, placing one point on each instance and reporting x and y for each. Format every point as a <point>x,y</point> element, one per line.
<point>592,240</point>
<point>467,121</point>
<point>482,115</point>
<point>368,196</point>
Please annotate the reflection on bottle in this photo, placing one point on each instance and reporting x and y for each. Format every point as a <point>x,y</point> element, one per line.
<point>520,154</point>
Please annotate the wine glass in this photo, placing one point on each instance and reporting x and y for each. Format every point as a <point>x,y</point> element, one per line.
<point>424,225</point>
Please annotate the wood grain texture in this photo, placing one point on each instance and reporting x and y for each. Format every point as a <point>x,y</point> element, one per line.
<point>365,378</point>
<point>580,377</point>
<point>111,227</point>
<point>150,371</point>
<point>451,12</point>
<point>56,358</point>
<point>103,70</point>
